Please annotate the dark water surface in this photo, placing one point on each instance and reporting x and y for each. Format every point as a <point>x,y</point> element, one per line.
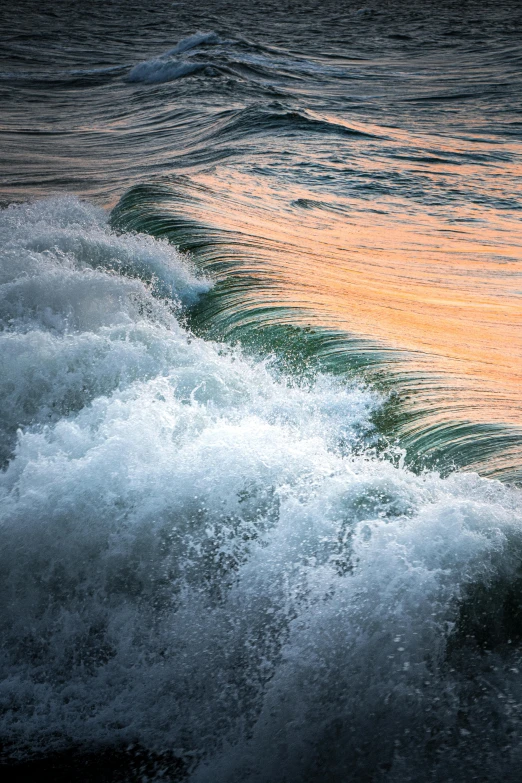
<point>260,295</point>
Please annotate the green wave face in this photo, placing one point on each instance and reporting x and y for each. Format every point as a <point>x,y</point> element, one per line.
<point>422,406</point>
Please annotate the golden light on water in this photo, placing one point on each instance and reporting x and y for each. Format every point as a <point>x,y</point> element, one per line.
<point>442,288</point>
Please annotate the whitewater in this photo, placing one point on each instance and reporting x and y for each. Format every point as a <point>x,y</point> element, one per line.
<point>206,560</point>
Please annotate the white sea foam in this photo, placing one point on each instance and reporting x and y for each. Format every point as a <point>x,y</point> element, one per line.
<point>192,557</point>
<point>68,319</point>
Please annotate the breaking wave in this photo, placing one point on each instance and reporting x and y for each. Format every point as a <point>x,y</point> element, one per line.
<point>165,68</point>
<point>205,558</point>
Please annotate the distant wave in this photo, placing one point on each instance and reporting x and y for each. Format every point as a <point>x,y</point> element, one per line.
<point>240,57</point>
<point>165,69</point>
<point>158,71</point>
<point>253,120</point>
<point>192,41</point>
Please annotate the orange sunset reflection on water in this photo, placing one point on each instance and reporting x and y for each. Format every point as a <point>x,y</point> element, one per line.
<point>441,288</point>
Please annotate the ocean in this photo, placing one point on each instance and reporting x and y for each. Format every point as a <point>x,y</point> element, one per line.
<point>261,373</point>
